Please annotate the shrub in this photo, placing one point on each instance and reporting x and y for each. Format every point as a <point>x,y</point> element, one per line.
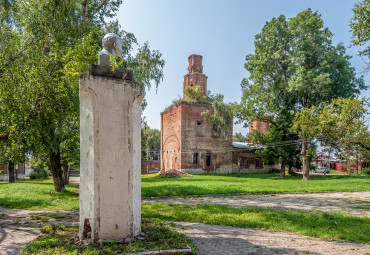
<point>366,171</point>
<point>39,173</point>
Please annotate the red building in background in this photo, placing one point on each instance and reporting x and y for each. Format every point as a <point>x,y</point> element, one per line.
<point>321,161</point>
<point>19,172</point>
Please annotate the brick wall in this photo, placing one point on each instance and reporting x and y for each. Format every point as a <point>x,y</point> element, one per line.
<point>197,136</point>
<point>260,125</point>
<point>170,138</point>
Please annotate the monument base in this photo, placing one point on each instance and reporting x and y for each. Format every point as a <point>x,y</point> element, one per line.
<point>110,155</point>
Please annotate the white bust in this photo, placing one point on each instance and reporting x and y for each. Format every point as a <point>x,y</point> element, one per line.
<point>112,45</point>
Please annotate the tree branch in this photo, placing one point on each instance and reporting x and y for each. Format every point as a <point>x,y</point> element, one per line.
<point>85,9</point>
<point>4,136</point>
<point>97,9</point>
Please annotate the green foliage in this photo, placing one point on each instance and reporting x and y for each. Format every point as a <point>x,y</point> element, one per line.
<point>295,65</point>
<point>45,47</point>
<point>147,65</point>
<point>343,121</point>
<point>150,141</point>
<point>196,95</point>
<point>277,141</point>
<point>323,225</point>
<point>193,95</point>
<point>238,137</point>
<point>39,172</point>
<point>366,171</point>
<point>160,235</point>
<point>360,26</point>
<point>221,116</point>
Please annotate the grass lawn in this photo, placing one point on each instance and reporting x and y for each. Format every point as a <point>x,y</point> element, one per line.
<point>323,225</point>
<point>337,172</point>
<point>37,195</point>
<point>56,239</point>
<point>152,185</point>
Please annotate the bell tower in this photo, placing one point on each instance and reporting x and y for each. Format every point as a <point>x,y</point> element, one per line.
<point>195,75</point>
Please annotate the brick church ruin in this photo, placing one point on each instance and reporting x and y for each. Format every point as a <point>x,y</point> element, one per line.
<point>189,143</point>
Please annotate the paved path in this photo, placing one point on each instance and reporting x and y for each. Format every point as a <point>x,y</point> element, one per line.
<point>212,239</point>
<point>355,203</point>
<point>19,227</point>
<point>14,239</point>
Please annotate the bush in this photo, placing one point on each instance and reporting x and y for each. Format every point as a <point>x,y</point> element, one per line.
<point>365,171</point>
<point>39,173</point>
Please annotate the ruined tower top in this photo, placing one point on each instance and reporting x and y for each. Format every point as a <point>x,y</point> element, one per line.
<point>195,74</point>
<point>195,64</point>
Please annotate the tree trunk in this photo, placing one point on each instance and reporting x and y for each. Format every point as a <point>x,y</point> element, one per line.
<point>290,169</point>
<point>239,165</point>
<point>306,166</point>
<point>11,171</point>
<point>66,175</point>
<point>282,170</point>
<point>56,171</point>
<point>328,164</point>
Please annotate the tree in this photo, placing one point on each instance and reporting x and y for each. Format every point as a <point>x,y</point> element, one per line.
<point>12,143</point>
<point>279,144</point>
<point>341,121</point>
<point>295,65</point>
<point>360,27</point>
<point>52,42</point>
<point>220,116</point>
<point>151,142</point>
<point>238,137</point>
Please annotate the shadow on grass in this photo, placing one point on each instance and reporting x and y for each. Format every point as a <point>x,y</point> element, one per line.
<point>323,225</point>
<point>36,195</point>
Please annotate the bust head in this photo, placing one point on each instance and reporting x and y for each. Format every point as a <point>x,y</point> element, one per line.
<point>113,44</point>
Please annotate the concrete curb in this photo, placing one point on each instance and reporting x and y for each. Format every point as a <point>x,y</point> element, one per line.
<point>163,252</point>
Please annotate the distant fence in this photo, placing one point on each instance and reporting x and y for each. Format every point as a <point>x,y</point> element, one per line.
<point>150,166</point>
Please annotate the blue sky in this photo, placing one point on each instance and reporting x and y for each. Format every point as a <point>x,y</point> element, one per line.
<point>223,33</point>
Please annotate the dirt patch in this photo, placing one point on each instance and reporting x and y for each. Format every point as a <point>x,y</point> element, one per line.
<point>173,174</point>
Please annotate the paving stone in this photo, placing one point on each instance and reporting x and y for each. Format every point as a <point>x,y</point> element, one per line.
<point>212,239</point>
<point>356,203</point>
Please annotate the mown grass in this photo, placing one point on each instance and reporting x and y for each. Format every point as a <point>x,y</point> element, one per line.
<point>248,183</point>
<point>337,172</point>
<point>323,225</point>
<point>56,239</point>
<point>38,195</point>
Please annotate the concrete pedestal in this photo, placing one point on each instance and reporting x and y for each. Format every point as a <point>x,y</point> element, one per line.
<point>110,188</point>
